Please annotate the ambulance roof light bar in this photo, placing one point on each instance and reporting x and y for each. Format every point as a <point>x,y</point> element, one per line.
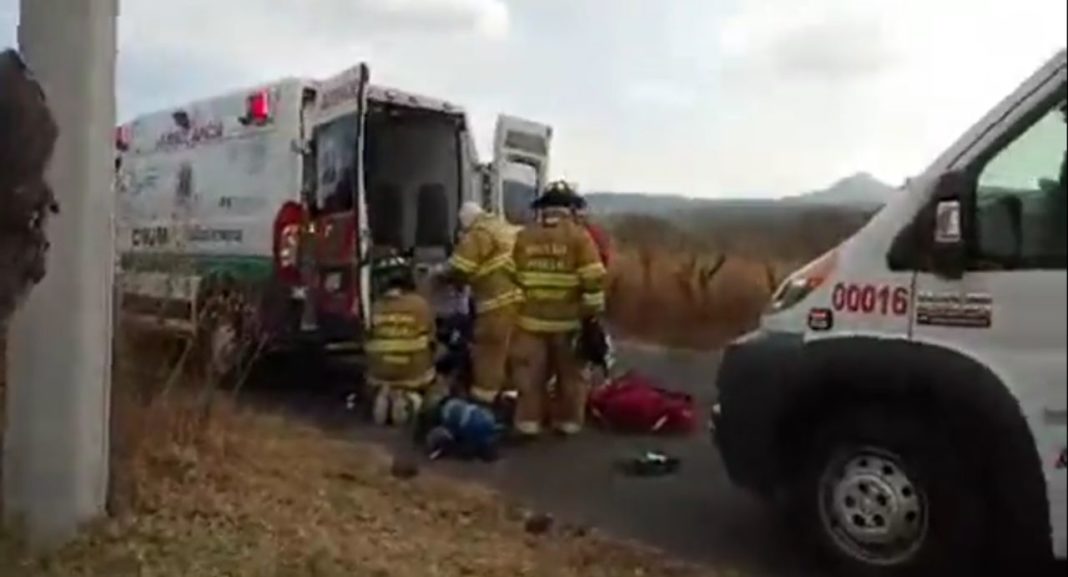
<point>257,109</point>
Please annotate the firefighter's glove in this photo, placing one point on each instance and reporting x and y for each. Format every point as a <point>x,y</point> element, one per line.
<point>592,342</point>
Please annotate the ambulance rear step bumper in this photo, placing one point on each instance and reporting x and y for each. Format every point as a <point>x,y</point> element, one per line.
<point>156,323</point>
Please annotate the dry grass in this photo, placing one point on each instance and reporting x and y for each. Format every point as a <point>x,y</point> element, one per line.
<point>687,299</point>
<point>698,288</point>
<point>224,491</point>
<point>685,295</point>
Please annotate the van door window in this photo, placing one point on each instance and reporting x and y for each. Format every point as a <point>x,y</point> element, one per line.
<point>336,152</point>
<point>1021,212</point>
<point>519,188</point>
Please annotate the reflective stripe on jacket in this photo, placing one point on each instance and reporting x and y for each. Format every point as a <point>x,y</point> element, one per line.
<point>561,274</point>
<point>483,259</point>
<point>398,349</point>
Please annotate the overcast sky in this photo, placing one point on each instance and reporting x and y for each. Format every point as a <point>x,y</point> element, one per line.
<point>700,97</point>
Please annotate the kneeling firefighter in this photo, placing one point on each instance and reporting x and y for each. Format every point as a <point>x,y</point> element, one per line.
<point>562,278</point>
<point>400,360</point>
<point>483,261</point>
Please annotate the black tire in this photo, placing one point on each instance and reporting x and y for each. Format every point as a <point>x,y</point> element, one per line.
<point>226,302</point>
<point>872,456</point>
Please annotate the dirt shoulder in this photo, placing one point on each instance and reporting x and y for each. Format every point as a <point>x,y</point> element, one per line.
<point>257,496</point>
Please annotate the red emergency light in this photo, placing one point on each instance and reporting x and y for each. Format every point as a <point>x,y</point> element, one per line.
<point>258,108</point>
<point>122,138</point>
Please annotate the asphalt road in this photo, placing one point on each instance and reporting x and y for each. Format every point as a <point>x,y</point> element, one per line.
<point>695,514</point>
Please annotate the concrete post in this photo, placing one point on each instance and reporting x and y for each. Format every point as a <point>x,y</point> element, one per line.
<point>59,348</point>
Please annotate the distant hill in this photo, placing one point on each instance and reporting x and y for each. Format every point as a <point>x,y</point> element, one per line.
<point>793,228</point>
<point>860,191</point>
<point>608,203</point>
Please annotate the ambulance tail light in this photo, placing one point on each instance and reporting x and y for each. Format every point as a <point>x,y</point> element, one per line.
<point>258,108</point>
<point>122,139</point>
<point>287,228</point>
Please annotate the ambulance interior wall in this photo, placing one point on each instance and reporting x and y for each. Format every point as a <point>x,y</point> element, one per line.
<point>413,183</point>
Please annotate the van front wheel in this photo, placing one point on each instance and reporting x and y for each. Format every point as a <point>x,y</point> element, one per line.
<point>885,495</point>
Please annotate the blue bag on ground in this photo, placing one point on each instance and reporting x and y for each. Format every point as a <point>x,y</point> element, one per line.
<point>461,428</point>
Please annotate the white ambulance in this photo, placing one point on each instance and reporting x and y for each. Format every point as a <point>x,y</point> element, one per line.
<point>261,209</point>
<point>905,393</point>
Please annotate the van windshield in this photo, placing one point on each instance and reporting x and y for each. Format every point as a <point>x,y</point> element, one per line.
<point>336,144</point>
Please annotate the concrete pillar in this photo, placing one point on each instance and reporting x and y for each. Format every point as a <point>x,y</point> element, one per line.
<point>59,348</point>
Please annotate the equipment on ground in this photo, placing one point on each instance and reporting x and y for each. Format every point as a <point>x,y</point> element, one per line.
<point>649,464</point>
<point>634,403</point>
<point>456,427</point>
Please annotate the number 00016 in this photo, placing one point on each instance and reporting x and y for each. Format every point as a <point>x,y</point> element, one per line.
<point>870,299</point>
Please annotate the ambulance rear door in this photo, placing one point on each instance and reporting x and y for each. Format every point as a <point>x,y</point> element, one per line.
<point>341,287</point>
<point>520,166</point>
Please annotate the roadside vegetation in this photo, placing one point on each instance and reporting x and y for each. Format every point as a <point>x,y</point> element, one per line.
<point>201,486</point>
<point>681,283</point>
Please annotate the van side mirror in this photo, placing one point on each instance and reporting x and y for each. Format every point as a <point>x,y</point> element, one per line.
<point>949,230</point>
<point>936,239</point>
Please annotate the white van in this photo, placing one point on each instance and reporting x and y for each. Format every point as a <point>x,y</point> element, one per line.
<point>905,393</point>
<point>271,202</point>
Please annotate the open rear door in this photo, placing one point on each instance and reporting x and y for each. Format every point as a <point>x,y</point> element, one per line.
<point>342,235</point>
<point>520,166</point>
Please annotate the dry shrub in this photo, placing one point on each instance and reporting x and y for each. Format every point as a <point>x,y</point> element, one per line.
<point>686,300</point>
<point>27,136</point>
<point>682,282</point>
<point>157,403</point>
<point>203,487</point>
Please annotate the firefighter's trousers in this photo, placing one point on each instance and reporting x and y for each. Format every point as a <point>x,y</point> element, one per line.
<point>489,352</point>
<point>541,358</point>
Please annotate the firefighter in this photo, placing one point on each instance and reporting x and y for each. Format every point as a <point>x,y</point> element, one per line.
<point>562,278</point>
<point>400,360</point>
<point>594,337</point>
<point>598,234</point>
<point>483,261</point>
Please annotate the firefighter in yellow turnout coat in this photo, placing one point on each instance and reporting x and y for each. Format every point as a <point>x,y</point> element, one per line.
<point>400,361</point>
<point>483,260</point>
<point>562,278</point>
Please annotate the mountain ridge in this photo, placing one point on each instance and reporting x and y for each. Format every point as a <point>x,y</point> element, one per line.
<point>861,191</point>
